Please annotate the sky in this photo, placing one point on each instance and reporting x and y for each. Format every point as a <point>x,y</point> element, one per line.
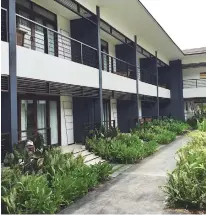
<point>183,20</point>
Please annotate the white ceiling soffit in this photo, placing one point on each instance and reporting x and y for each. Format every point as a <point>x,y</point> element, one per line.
<point>130,17</point>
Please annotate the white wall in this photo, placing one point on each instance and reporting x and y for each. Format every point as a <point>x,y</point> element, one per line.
<point>36,65</point>
<point>67,128</point>
<point>194,92</point>
<point>111,81</point>
<point>33,64</point>
<point>113,104</point>
<point>151,90</point>
<point>193,73</point>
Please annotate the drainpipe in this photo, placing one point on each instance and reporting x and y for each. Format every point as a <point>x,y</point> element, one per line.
<point>100,65</point>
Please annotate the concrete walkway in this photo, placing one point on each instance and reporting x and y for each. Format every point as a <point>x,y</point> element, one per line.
<point>136,190</point>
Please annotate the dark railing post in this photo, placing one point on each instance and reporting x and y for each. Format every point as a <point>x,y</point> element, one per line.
<point>81,53</point>
<point>137,79</point>
<point>196,83</point>
<point>12,72</point>
<point>157,79</point>
<point>100,65</point>
<point>46,40</point>
<point>112,64</point>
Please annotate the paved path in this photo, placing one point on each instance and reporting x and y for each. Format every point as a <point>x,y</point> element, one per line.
<point>136,190</point>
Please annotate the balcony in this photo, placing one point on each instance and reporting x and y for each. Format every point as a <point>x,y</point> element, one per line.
<point>194,88</point>
<point>46,54</point>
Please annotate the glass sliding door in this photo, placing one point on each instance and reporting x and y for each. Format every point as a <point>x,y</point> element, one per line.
<point>41,119</point>
<point>106,114</point>
<point>39,116</point>
<point>28,123</point>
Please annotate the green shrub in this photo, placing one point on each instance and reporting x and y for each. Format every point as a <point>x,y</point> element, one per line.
<point>145,136</point>
<point>198,139</point>
<point>125,148</point>
<point>165,137</point>
<point>30,194</point>
<point>57,179</point>
<point>74,184</point>
<point>178,128</point>
<point>103,170</point>
<point>186,186</point>
<point>202,125</point>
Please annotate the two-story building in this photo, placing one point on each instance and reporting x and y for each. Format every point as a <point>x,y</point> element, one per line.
<point>69,65</point>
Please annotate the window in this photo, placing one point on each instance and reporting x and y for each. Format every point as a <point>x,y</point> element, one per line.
<point>203,75</point>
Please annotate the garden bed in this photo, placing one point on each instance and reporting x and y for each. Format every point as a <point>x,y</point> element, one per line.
<point>140,143</point>
<point>47,181</point>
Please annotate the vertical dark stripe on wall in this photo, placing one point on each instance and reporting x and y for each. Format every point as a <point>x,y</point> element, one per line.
<point>136,70</point>
<point>176,89</point>
<point>12,72</point>
<point>158,112</point>
<point>100,65</point>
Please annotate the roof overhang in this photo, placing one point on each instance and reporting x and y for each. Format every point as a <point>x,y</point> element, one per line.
<point>132,18</point>
<point>194,58</point>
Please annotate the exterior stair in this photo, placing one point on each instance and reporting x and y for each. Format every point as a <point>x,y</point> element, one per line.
<point>78,149</point>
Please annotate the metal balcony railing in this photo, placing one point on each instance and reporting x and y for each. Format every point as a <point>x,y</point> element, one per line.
<point>148,77</point>
<point>35,36</point>
<point>118,66</point>
<point>194,83</point>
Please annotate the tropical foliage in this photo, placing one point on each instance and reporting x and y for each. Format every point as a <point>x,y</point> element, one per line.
<point>138,144</point>
<point>186,185</point>
<point>46,181</point>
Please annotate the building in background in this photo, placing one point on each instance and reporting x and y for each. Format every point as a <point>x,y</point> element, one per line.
<point>194,81</point>
<point>81,63</point>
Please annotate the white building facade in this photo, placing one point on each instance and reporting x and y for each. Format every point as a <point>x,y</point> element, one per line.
<point>82,64</point>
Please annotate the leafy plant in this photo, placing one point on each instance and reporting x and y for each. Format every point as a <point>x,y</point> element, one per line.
<point>165,137</point>
<point>186,185</point>
<point>55,179</point>
<point>202,125</point>
<point>30,194</point>
<point>125,148</point>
